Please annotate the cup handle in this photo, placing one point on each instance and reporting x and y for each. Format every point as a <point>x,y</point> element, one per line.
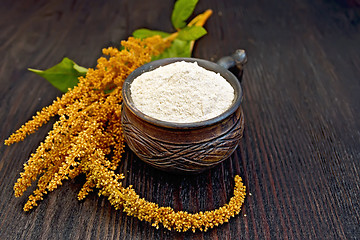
<point>234,63</point>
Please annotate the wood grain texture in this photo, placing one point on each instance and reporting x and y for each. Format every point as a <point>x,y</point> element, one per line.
<point>300,153</point>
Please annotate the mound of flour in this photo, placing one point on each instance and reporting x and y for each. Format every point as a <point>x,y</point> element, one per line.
<point>181,92</point>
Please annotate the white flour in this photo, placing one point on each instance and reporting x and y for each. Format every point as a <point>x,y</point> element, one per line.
<point>181,92</point>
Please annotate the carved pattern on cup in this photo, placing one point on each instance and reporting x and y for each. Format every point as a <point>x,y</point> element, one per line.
<point>185,157</point>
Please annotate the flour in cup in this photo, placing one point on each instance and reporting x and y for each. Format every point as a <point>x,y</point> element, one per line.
<point>181,92</point>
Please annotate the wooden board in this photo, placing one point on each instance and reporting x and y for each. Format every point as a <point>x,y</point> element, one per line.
<point>300,154</point>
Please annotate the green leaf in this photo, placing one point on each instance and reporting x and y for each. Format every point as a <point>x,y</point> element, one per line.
<point>80,69</point>
<point>144,33</point>
<point>64,75</point>
<point>191,33</point>
<point>179,48</point>
<point>182,11</point>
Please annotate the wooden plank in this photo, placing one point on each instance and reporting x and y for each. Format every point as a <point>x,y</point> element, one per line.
<point>299,156</point>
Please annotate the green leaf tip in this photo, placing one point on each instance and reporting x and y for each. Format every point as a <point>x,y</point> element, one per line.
<point>63,75</point>
<point>182,11</point>
<point>144,33</point>
<point>191,33</point>
<point>80,69</point>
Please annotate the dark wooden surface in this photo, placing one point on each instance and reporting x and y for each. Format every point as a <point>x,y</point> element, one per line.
<point>299,157</point>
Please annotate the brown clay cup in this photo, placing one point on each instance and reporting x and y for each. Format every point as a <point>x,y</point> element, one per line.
<point>182,147</point>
